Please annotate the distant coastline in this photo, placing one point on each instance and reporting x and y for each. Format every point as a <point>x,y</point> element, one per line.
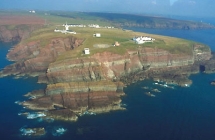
<point>129,20</point>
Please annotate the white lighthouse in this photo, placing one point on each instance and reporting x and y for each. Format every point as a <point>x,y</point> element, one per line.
<point>67,27</point>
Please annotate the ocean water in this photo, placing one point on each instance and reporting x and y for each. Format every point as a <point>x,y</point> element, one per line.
<point>173,114</point>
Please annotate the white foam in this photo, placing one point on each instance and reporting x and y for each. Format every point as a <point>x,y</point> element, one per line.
<point>35,115</point>
<point>88,113</point>
<point>59,131</point>
<point>27,132</point>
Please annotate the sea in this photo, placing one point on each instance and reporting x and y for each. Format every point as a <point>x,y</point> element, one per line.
<point>176,113</point>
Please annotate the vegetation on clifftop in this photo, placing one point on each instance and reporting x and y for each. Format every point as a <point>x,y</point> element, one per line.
<point>109,37</point>
<point>119,20</point>
<point>79,83</point>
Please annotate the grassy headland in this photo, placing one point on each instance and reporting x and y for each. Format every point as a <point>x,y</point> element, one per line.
<point>108,36</point>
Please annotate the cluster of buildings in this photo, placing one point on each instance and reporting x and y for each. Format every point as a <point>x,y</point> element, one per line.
<point>93,26</point>
<point>67,26</point>
<point>74,25</point>
<point>90,25</point>
<point>66,30</point>
<point>143,39</point>
<point>32,11</point>
<point>97,26</point>
<point>138,40</point>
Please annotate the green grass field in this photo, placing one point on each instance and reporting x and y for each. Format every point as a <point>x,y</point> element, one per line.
<point>108,36</point>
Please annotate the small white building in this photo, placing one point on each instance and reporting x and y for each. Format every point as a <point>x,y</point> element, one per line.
<point>32,11</point>
<point>76,25</point>
<point>56,30</point>
<point>93,26</point>
<point>143,39</point>
<point>86,51</point>
<point>97,35</point>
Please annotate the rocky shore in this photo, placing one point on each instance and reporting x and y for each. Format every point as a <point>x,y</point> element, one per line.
<point>213,83</point>
<point>76,85</point>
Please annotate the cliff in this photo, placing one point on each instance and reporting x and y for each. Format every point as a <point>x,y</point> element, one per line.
<point>15,27</point>
<point>16,33</point>
<point>78,84</point>
<point>95,84</point>
<point>34,59</point>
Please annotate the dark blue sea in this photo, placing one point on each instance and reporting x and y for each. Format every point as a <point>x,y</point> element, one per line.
<point>174,114</point>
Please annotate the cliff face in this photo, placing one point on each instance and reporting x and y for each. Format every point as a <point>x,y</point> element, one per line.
<point>32,58</point>
<point>17,33</point>
<point>112,67</point>
<point>79,85</point>
<point>93,83</point>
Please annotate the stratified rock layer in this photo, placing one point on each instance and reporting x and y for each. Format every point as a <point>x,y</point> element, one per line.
<point>95,83</point>
<point>34,59</point>
<point>18,33</point>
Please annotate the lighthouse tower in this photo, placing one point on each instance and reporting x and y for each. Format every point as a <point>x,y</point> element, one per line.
<point>67,27</point>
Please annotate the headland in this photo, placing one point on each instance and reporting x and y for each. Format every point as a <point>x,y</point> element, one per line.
<point>85,72</point>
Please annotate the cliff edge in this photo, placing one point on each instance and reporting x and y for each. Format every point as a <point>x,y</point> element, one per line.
<point>79,83</point>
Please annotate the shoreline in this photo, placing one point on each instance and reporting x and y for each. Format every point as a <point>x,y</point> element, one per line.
<point>75,83</point>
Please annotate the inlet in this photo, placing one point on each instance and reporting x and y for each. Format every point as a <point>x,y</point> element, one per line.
<point>202,68</point>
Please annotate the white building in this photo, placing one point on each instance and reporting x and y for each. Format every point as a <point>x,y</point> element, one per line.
<point>56,30</point>
<point>86,51</point>
<point>66,27</point>
<point>97,35</point>
<point>143,39</point>
<point>94,26</point>
<point>109,27</point>
<point>76,25</point>
<point>32,11</point>
<point>66,31</point>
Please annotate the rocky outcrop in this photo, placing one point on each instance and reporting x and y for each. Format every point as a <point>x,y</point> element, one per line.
<point>213,83</point>
<point>33,58</point>
<point>17,33</point>
<point>174,74</point>
<point>66,101</point>
<point>88,84</point>
<point>95,83</point>
<point>76,85</point>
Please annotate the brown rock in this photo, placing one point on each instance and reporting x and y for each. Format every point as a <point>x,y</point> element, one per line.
<point>33,59</point>
<point>213,83</point>
<point>62,114</point>
<point>76,85</point>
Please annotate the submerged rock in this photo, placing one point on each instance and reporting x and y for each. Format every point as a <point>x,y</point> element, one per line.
<point>213,83</point>
<point>33,115</point>
<point>59,131</point>
<point>156,90</point>
<point>63,114</point>
<point>149,94</point>
<point>32,131</point>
